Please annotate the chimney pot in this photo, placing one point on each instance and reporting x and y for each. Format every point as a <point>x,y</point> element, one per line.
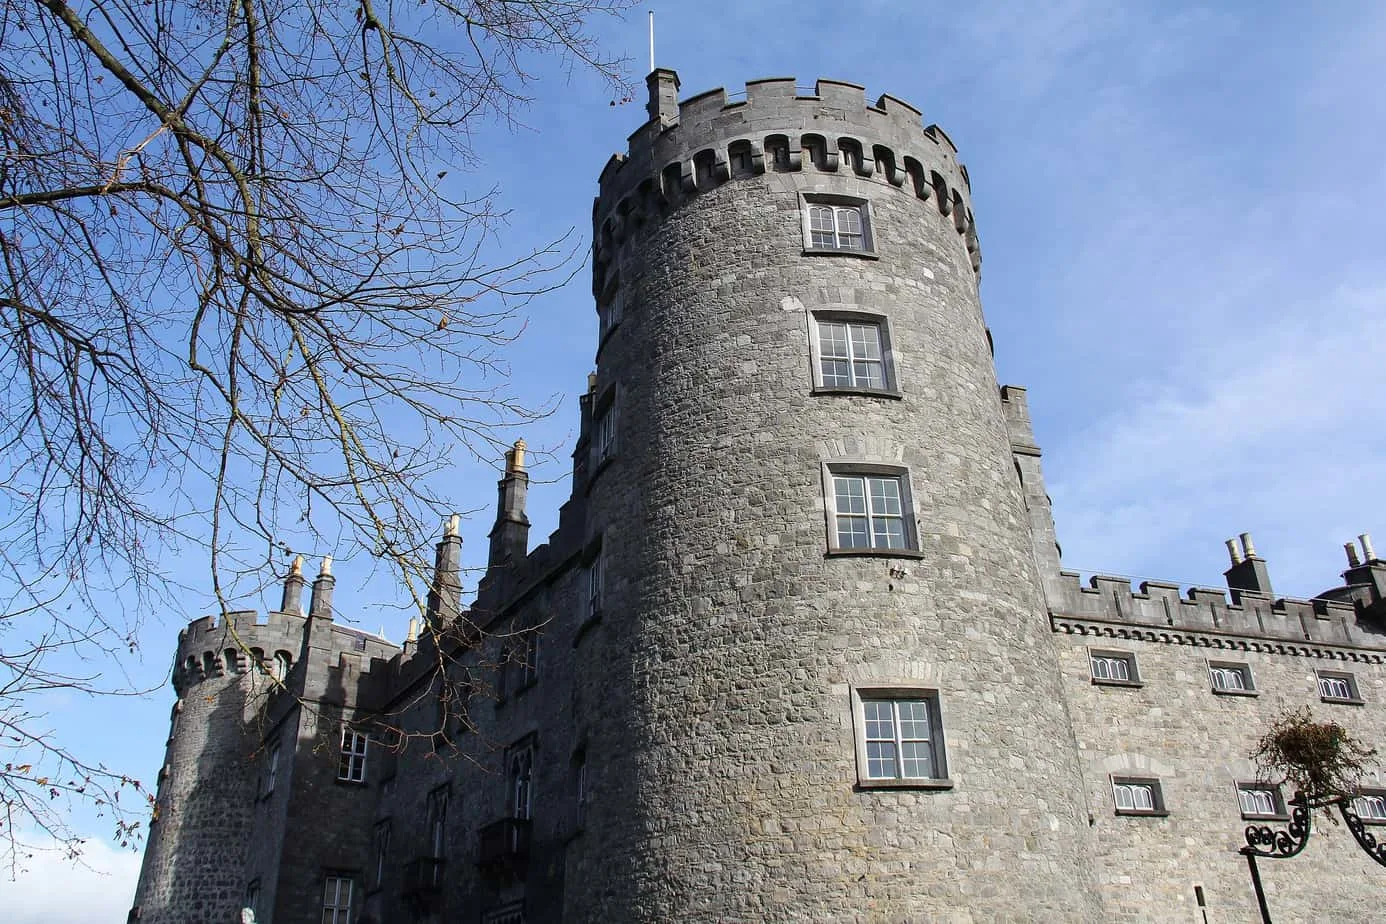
<point>1247,547</point>
<point>1368,552</point>
<point>1351,549</point>
<point>1233,552</point>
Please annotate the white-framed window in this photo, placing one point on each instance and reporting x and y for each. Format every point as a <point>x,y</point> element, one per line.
<point>1137,796</point>
<point>899,737</point>
<point>837,224</point>
<point>351,765</point>
<point>437,821</point>
<point>604,423</point>
<point>271,769</point>
<point>1115,668</point>
<point>869,509</point>
<point>336,899</point>
<point>851,352</point>
<point>1231,677</point>
<point>1370,806</point>
<point>1338,687</point>
<point>1260,800</point>
<point>382,852</point>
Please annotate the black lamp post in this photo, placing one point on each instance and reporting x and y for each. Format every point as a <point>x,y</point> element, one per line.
<point>1283,843</point>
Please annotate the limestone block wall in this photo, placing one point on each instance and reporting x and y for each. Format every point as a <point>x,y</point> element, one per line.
<point>193,868</point>
<point>1196,743</point>
<point>736,640</point>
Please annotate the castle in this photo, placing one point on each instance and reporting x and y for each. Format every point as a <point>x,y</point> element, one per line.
<point>801,647</point>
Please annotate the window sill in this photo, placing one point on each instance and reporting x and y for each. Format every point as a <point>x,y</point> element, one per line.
<point>1342,702</point>
<point>865,392</point>
<point>835,252</point>
<point>1136,813</point>
<point>1099,682</point>
<point>354,784</point>
<point>874,553</point>
<point>935,784</point>
<point>1265,818</point>
<point>1217,692</point>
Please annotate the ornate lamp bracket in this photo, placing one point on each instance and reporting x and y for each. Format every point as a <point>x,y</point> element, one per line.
<point>1282,843</point>
<point>1365,839</point>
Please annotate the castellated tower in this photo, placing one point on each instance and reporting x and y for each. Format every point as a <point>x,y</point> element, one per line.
<point>801,648</point>
<point>246,731</point>
<point>828,668</point>
<point>194,858</point>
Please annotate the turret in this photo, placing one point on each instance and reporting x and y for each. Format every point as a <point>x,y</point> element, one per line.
<point>802,503</point>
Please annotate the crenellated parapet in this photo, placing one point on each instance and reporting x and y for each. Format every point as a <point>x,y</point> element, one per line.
<point>242,640</point>
<point>775,126</point>
<point>1204,617</point>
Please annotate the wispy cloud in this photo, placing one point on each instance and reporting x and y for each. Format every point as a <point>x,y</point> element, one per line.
<point>1286,413</point>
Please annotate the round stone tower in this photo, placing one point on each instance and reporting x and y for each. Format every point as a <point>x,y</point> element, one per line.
<point>194,860</point>
<point>823,687</point>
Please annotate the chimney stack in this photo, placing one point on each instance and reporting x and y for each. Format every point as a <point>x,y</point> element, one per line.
<point>1248,573</point>
<point>510,536</point>
<point>445,594</point>
<point>320,606</point>
<point>292,601</point>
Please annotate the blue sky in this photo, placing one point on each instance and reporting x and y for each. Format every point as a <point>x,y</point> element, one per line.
<point>1179,208</point>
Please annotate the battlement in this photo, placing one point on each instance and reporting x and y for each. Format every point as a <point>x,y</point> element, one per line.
<point>210,648</point>
<point>775,125</point>
<point>1107,606</point>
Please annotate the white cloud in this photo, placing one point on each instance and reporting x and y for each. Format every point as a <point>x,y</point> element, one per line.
<point>1275,431</point>
<point>51,889</point>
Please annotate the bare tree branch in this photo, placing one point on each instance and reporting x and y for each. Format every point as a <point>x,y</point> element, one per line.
<point>230,281</point>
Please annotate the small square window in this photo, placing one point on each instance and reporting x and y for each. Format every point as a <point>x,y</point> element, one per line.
<point>1231,677</point>
<point>1338,687</point>
<point>851,353</point>
<point>1370,806</point>
<point>899,738</point>
<point>1113,668</point>
<point>837,224</point>
<point>351,766</point>
<point>336,900</point>
<point>869,511</point>
<point>1261,800</point>
<point>1136,796</point>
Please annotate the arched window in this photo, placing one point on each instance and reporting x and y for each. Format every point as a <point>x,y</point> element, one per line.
<point>282,663</point>
<point>232,658</point>
<point>522,783</point>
